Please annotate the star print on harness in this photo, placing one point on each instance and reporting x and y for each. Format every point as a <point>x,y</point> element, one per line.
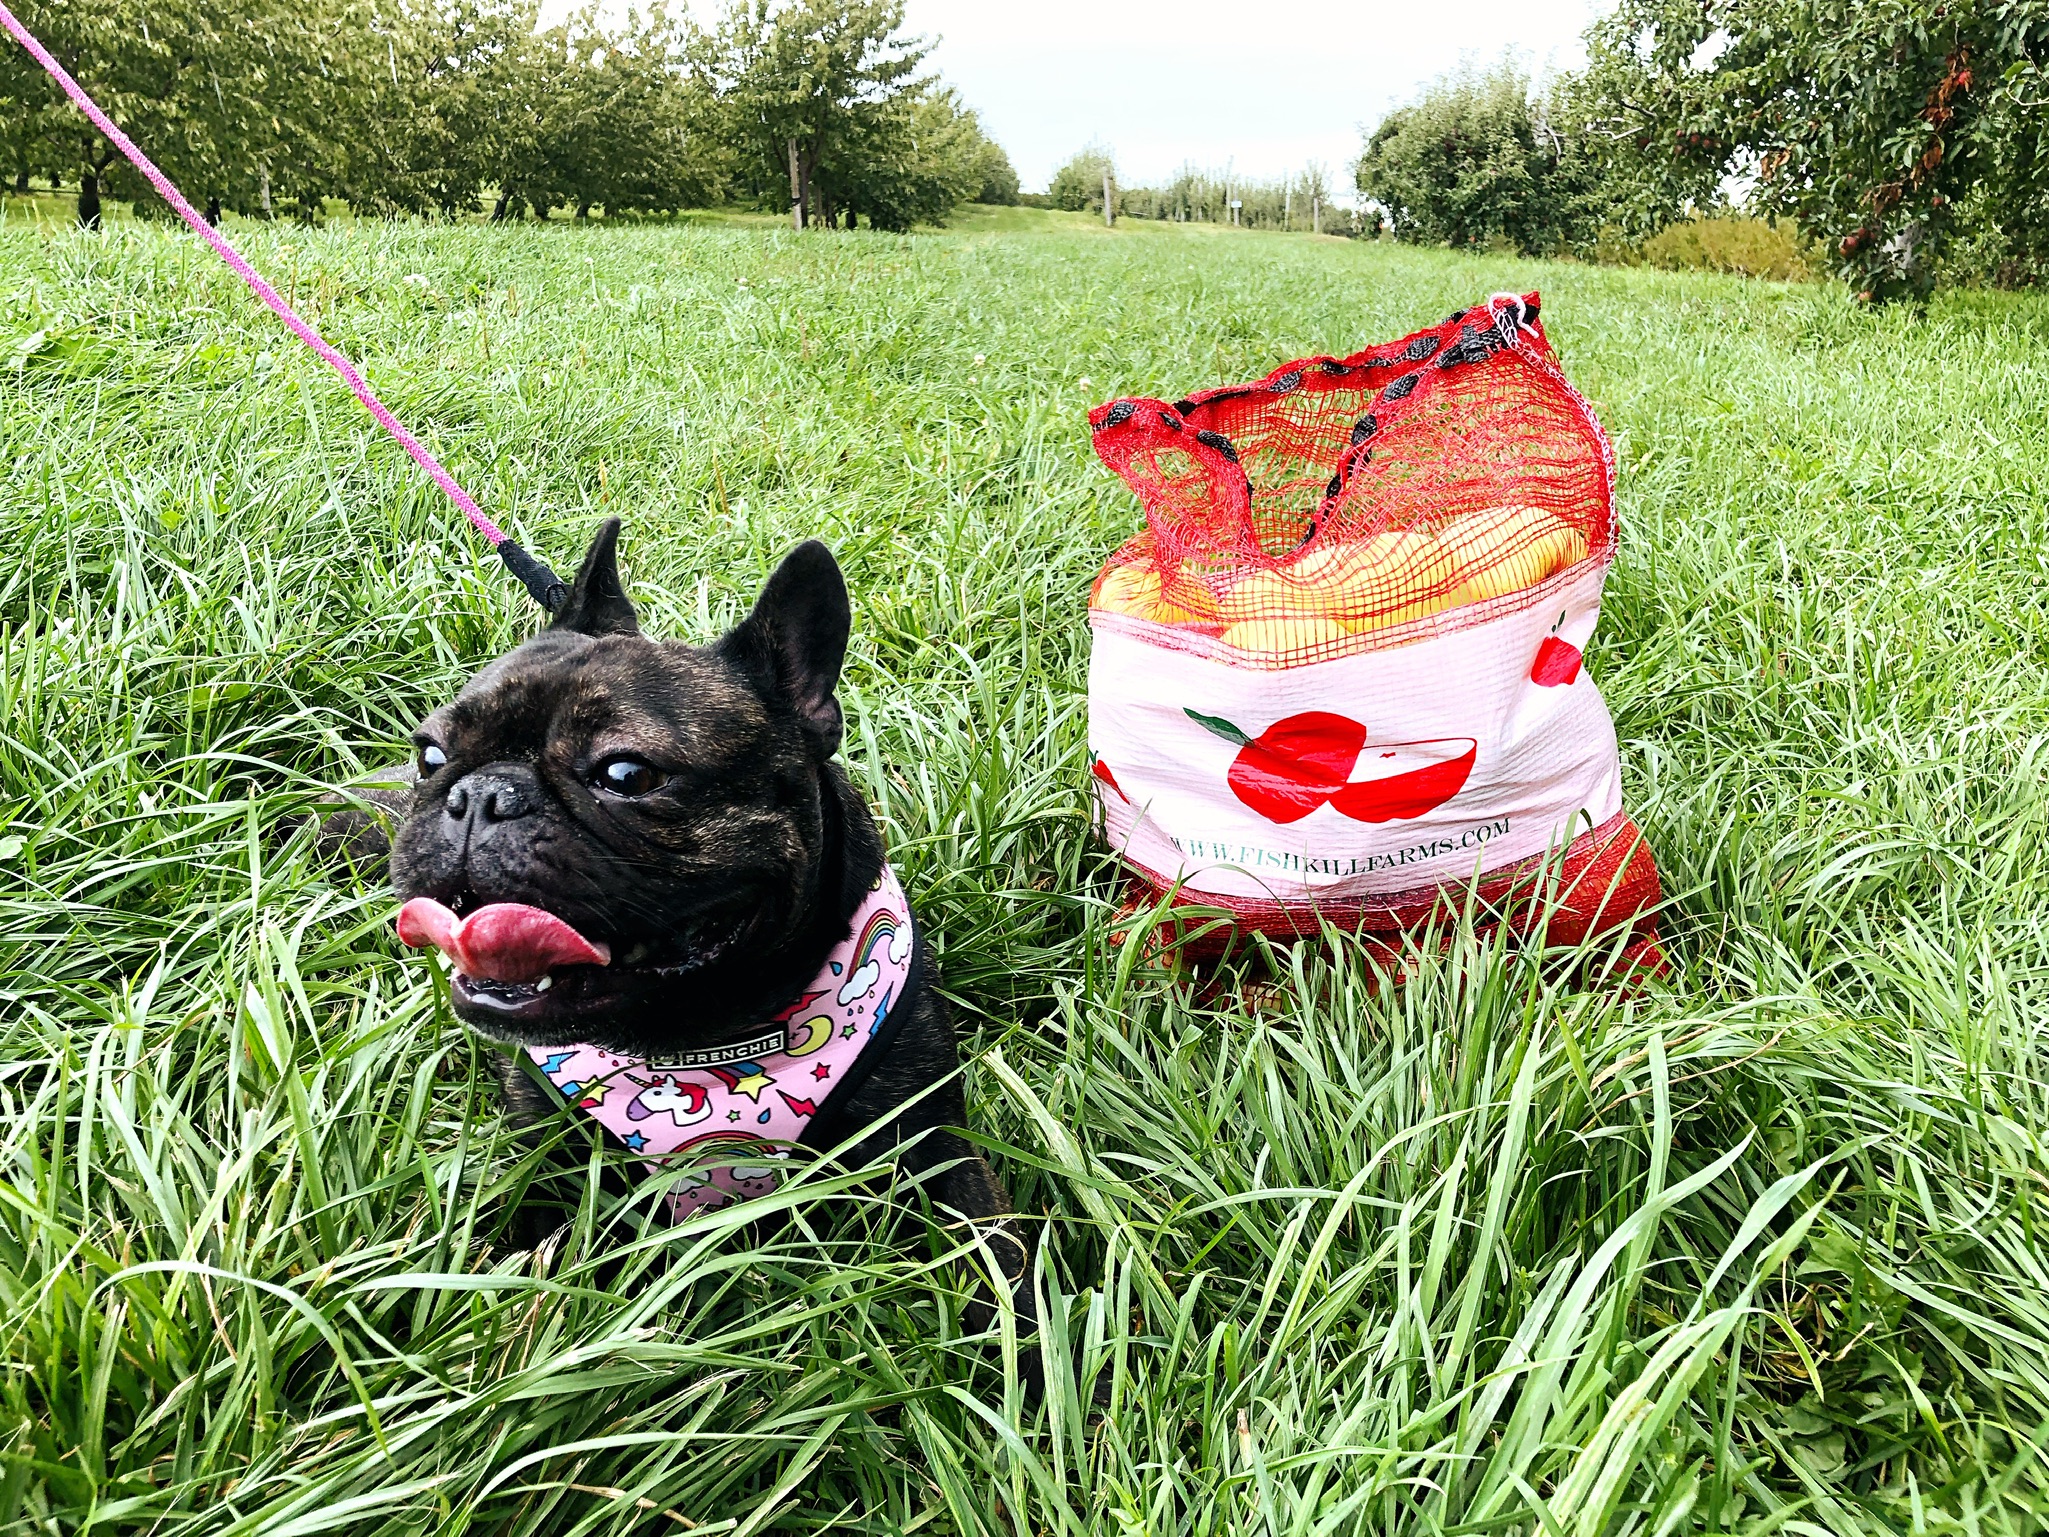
<point>764,1092</point>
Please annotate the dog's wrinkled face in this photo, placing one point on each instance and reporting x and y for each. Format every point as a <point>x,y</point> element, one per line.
<point>630,824</point>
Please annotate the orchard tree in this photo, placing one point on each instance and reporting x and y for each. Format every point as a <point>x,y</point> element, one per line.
<point>233,99</point>
<point>918,162</point>
<point>1476,160</point>
<point>1887,130</point>
<point>266,105</point>
<point>542,106</point>
<point>994,176</point>
<point>31,111</point>
<point>417,106</point>
<point>272,88</point>
<point>636,148</point>
<point>810,95</point>
<point>129,57</point>
<point>591,116</point>
<point>1078,185</point>
<point>434,119</point>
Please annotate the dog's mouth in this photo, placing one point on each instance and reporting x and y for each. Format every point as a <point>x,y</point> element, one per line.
<point>520,969</point>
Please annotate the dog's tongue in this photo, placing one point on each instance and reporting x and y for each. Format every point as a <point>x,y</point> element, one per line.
<point>505,942</point>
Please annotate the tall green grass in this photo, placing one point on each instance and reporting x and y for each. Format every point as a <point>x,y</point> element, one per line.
<point>1486,1252</point>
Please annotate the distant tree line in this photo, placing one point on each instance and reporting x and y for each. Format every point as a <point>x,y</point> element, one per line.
<point>1298,202</point>
<point>821,108</point>
<point>1910,140</point>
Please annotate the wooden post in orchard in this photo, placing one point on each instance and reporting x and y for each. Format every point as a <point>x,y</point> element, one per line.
<point>1315,215</point>
<point>1109,201</point>
<point>796,193</point>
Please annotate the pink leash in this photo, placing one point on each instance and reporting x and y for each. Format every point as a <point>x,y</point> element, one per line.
<point>547,589</point>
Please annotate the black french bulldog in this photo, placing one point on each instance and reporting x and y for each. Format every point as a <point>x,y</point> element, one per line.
<point>680,805</point>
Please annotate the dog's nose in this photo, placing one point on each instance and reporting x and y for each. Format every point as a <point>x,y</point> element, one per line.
<point>496,797</point>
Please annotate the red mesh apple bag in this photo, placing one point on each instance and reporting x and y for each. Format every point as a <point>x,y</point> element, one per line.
<point>1338,675</point>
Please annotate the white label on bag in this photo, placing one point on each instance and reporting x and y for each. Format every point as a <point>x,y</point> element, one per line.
<point>1367,775</point>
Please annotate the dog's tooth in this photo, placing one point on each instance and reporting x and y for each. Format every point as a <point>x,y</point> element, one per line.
<point>545,983</point>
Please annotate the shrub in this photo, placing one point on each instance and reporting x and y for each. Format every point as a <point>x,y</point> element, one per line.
<point>1756,248</point>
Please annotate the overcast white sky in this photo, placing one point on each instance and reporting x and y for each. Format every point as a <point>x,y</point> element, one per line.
<point>1266,85</point>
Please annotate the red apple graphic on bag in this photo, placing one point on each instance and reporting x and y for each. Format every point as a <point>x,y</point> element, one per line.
<point>1309,760</point>
<point>1101,770</point>
<point>1558,660</point>
<point>1293,766</point>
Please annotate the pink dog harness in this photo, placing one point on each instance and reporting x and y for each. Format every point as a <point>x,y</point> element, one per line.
<point>755,1096</point>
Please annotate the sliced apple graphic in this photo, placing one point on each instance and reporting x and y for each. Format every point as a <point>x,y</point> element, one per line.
<point>1394,781</point>
<point>1558,660</point>
<point>1314,759</point>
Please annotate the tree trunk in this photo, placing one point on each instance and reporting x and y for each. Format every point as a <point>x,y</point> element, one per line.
<point>500,208</point>
<point>89,201</point>
<point>583,209</point>
<point>827,214</point>
<point>263,188</point>
<point>21,183</point>
<point>796,191</point>
<point>1109,202</point>
<point>213,211</point>
<point>850,216</point>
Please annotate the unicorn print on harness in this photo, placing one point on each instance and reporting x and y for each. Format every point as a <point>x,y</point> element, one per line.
<point>683,1102</point>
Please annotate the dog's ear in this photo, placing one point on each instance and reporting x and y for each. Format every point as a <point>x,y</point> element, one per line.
<point>597,603</point>
<point>795,640</point>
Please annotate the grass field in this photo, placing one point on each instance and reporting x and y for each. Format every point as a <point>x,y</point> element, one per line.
<point>1761,1251</point>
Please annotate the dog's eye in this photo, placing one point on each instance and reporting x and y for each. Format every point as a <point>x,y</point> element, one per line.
<point>432,758</point>
<point>628,776</point>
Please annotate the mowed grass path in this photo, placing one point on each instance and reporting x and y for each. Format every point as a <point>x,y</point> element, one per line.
<point>1486,1252</point>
